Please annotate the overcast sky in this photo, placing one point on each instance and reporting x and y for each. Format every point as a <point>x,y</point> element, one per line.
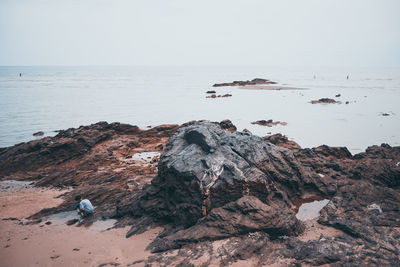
<point>207,32</point>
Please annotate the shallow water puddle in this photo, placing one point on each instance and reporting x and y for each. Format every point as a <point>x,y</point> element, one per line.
<point>14,182</point>
<point>62,218</point>
<point>309,211</point>
<point>13,185</point>
<point>102,225</point>
<point>145,155</point>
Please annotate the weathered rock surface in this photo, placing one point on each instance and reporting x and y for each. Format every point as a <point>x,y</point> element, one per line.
<point>217,185</point>
<point>281,140</point>
<point>243,83</point>
<point>96,160</point>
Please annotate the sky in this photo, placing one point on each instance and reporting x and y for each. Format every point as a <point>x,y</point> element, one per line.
<point>356,33</point>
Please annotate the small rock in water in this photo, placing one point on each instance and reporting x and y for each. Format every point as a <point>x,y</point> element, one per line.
<point>324,101</point>
<point>72,221</point>
<point>40,133</point>
<point>338,95</point>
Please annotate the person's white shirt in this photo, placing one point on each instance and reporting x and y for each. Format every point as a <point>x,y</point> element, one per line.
<point>86,206</point>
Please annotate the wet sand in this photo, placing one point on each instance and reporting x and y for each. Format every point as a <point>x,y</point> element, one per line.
<point>59,244</point>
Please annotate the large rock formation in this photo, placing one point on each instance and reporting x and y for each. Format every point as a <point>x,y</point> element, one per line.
<point>213,184</point>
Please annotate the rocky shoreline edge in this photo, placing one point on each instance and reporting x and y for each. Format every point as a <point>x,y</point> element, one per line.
<point>221,194</point>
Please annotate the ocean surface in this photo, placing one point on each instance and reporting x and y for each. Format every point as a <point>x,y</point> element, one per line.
<point>52,98</point>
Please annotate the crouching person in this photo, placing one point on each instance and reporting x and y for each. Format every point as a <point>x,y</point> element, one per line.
<point>85,208</point>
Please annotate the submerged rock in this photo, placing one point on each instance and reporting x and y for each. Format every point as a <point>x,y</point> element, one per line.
<point>269,123</point>
<point>243,83</point>
<point>40,133</point>
<point>324,101</point>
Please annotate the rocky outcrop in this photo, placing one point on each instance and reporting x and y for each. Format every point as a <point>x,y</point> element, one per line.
<point>223,195</point>
<point>218,96</point>
<point>96,160</point>
<point>209,178</point>
<point>215,168</point>
<point>282,141</point>
<point>64,146</point>
<point>214,185</point>
<point>40,133</point>
<point>255,81</point>
<point>324,101</point>
<point>269,123</point>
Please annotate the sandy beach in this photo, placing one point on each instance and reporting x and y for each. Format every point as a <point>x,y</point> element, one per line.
<point>42,244</point>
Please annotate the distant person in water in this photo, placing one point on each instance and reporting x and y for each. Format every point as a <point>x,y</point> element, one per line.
<point>20,74</point>
<point>85,208</point>
<point>347,77</point>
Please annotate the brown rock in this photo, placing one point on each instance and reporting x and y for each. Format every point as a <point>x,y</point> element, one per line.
<point>324,101</point>
<point>243,83</point>
<point>269,123</point>
<point>282,141</point>
<point>40,133</point>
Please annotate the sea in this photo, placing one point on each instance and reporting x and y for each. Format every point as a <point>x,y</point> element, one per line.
<point>50,98</point>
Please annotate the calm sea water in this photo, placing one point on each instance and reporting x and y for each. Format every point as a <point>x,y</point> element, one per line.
<point>51,98</point>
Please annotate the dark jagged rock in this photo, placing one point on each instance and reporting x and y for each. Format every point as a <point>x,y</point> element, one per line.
<point>214,168</point>
<point>214,184</point>
<point>269,123</point>
<point>282,141</point>
<point>364,215</point>
<point>208,178</point>
<point>211,92</point>
<point>247,214</point>
<point>218,96</point>
<point>55,150</point>
<point>228,126</point>
<point>243,83</point>
<point>72,221</point>
<point>40,133</point>
<point>324,101</point>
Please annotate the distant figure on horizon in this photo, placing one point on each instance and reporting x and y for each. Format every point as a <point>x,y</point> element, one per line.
<point>20,74</point>
<point>347,77</point>
<point>315,77</point>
